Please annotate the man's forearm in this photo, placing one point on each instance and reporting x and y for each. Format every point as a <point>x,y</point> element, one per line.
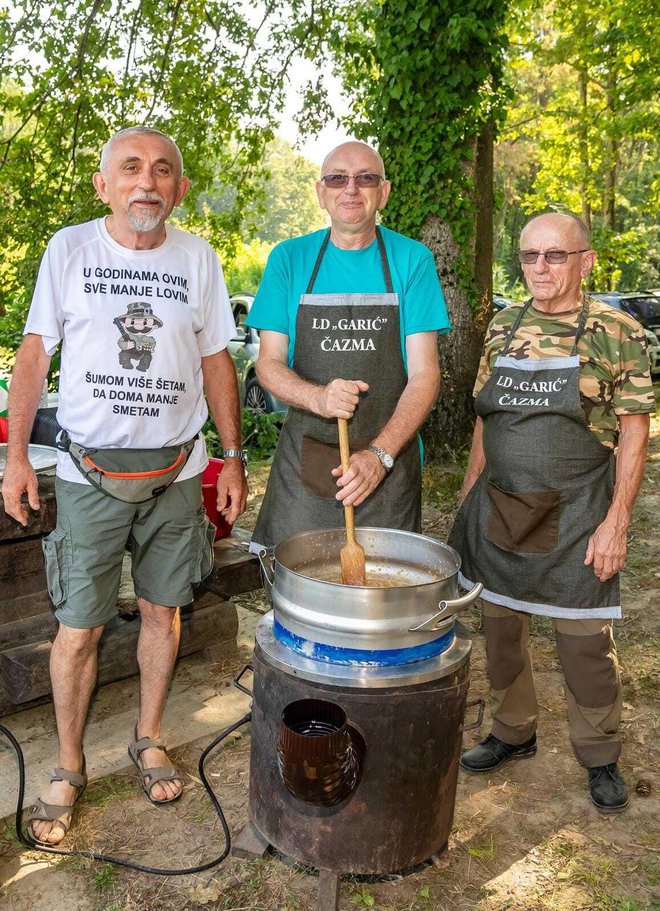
<point>28,375</point>
<point>630,460</point>
<point>412,409</point>
<point>287,386</point>
<point>221,389</point>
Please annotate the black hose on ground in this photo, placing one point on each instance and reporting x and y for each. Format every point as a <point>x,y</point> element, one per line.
<point>120,862</point>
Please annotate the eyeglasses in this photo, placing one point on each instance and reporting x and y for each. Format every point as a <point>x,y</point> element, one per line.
<point>552,257</point>
<point>363,181</point>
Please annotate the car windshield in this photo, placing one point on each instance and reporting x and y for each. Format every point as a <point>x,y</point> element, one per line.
<point>645,308</point>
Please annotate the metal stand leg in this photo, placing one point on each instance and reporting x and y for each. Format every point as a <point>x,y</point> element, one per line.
<point>250,844</point>
<point>328,891</point>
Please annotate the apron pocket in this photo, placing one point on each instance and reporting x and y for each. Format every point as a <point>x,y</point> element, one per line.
<point>316,464</point>
<point>202,557</point>
<point>57,554</point>
<point>523,522</point>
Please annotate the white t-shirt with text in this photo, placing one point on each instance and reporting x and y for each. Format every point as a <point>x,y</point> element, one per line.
<point>134,326</point>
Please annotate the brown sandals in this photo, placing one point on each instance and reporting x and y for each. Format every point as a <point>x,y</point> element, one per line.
<point>150,776</point>
<point>52,812</point>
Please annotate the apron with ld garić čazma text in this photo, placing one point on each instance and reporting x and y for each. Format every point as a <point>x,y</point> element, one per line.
<point>524,527</point>
<point>353,336</point>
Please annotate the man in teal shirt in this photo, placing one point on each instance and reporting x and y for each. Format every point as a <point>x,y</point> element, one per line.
<point>349,319</point>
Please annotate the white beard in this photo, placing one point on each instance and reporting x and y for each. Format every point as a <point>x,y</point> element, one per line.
<point>145,220</point>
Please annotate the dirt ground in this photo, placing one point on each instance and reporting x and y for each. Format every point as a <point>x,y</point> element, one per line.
<point>525,838</point>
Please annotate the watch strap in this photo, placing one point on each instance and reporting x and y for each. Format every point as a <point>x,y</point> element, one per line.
<point>241,454</point>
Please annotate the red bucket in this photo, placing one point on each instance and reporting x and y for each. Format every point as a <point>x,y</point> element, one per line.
<point>210,497</point>
<point>4,434</point>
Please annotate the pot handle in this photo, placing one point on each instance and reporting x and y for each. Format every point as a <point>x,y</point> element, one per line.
<point>447,609</point>
<point>267,573</point>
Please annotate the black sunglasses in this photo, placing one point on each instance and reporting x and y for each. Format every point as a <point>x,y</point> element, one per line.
<point>363,181</point>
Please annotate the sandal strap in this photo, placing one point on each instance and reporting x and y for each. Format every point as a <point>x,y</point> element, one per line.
<point>50,812</point>
<point>147,743</point>
<point>77,779</point>
<point>160,773</point>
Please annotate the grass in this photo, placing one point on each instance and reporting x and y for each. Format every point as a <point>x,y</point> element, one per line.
<point>363,898</point>
<point>441,484</point>
<point>105,878</point>
<point>651,871</point>
<point>9,837</point>
<point>108,790</point>
<point>485,850</point>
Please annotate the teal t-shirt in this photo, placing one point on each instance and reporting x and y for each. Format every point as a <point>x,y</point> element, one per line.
<point>414,278</point>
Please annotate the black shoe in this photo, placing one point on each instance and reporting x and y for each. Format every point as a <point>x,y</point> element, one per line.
<point>492,752</point>
<point>609,793</point>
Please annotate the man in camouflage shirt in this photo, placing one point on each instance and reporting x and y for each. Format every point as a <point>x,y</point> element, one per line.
<point>563,397</point>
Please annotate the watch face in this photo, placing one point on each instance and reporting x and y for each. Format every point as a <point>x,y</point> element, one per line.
<point>386,459</point>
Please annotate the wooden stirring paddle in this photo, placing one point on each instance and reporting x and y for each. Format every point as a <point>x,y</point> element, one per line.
<point>351,555</point>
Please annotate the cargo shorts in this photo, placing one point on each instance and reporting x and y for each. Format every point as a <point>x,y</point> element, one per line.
<point>170,540</point>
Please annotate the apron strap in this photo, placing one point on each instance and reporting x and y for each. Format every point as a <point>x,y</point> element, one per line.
<point>383,261</point>
<point>582,322</point>
<point>317,264</point>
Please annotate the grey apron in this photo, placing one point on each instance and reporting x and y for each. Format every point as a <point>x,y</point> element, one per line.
<point>355,336</point>
<point>523,528</point>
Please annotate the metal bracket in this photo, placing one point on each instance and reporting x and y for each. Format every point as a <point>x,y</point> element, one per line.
<point>480,717</point>
<point>237,681</point>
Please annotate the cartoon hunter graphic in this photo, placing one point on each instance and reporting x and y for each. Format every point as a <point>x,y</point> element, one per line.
<point>136,343</point>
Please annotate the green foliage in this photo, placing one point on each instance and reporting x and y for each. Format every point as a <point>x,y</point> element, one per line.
<point>583,133</point>
<point>74,71</point>
<point>425,78</point>
<point>7,357</point>
<point>260,435</point>
<point>290,206</point>
<point>246,268</point>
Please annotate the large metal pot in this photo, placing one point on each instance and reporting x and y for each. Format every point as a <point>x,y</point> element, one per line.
<point>330,621</point>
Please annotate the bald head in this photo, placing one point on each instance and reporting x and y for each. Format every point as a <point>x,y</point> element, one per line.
<point>365,152</point>
<point>565,223</point>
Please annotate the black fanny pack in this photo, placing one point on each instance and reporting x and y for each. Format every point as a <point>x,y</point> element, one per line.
<point>131,475</point>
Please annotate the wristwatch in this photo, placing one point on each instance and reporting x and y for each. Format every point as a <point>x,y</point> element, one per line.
<point>241,454</point>
<point>386,460</point>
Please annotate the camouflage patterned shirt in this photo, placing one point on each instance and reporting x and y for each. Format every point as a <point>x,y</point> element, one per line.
<point>614,364</point>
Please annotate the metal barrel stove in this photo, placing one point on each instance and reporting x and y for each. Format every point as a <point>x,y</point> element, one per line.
<point>359,699</point>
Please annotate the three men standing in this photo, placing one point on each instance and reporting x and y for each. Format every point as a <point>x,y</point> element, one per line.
<point>103,286</point>
<point>348,321</point>
<point>546,505</point>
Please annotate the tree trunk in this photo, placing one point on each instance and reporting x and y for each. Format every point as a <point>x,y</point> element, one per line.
<point>611,168</point>
<point>483,231</point>
<point>450,424</point>
<point>584,148</point>
<point>451,420</point>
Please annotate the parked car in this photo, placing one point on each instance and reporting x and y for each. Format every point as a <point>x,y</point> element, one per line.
<point>244,348</point>
<point>500,302</point>
<point>645,307</point>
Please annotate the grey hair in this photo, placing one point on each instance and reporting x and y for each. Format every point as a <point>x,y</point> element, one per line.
<point>582,229</point>
<point>138,131</point>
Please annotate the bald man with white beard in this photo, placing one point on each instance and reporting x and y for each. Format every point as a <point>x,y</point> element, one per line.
<point>348,320</point>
